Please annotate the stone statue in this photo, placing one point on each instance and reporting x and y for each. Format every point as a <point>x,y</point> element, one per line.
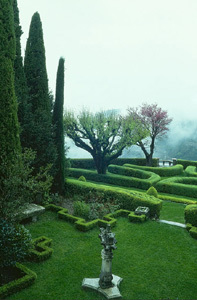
<point>108,241</point>
<point>107,283</point>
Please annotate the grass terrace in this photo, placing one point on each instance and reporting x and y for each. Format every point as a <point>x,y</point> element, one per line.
<point>156,261</point>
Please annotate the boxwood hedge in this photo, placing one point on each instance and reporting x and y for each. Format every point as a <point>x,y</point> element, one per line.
<point>186,163</point>
<point>19,284</point>
<point>191,171</point>
<point>128,200</point>
<point>191,214</point>
<point>143,179</point>
<point>185,186</point>
<point>88,163</point>
<point>164,172</point>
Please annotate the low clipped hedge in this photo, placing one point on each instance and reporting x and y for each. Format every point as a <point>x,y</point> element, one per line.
<point>193,232</point>
<point>186,163</point>
<point>19,284</point>
<point>191,214</point>
<point>41,250</point>
<point>128,200</point>
<point>133,172</point>
<point>109,219</point>
<point>176,199</point>
<point>88,163</point>
<point>115,179</point>
<point>191,171</point>
<point>164,172</point>
<point>137,218</point>
<point>185,186</point>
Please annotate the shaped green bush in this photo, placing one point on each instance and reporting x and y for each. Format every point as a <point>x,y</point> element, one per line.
<point>152,192</point>
<point>191,214</point>
<point>82,178</point>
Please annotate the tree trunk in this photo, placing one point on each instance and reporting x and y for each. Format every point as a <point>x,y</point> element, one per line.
<point>149,160</point>
<point>100,164</point>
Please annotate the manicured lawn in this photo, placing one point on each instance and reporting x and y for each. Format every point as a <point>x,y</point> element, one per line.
<point>172,212</point>
<point>156,261</point>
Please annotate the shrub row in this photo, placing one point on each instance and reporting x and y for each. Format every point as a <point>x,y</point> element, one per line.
<point>133,172</point>
<point>191,219</point>
<point>88,163</point>
<point>84,226</point>
<point>41,250</point>
<point>127,199</point>
<point>176,199</point>
<point>186,163</point>
<point>191,214</point>
<point>19,284</point>
<point>191,171</point>
<point>164,172</point>
<point>118,179</point>
<point>185,186</point>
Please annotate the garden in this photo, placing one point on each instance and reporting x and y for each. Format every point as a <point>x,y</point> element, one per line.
<point>155,260</point>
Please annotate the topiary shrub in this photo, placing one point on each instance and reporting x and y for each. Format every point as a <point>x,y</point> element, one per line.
<point>82,178</point>
<point>152,192</point>
<point>191,214</point>
<point>81,209</point>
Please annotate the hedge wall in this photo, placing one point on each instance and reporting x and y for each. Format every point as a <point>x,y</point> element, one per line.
<point>41,250</point>
<point>127,200</point>
<point>191,171</point>
<point>88,163</point>
<point>121,180</point>
<point>186,163</point>
<point>185,186</point>
<point>162,171</point>
<point>19,284</point>
<point>191,214</point>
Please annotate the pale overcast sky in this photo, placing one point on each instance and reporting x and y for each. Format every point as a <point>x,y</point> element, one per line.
<point>121,53</point>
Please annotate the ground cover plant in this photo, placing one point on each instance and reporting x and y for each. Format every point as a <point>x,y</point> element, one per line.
<point>148,258</point>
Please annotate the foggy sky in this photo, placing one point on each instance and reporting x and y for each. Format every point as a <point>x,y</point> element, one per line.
<point>121,53</point>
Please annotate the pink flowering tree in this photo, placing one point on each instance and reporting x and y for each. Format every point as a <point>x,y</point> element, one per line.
<point>155,122</point>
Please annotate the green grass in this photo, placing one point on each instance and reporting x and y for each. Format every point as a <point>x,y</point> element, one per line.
<point>156,261</point>
<point>172,211</point>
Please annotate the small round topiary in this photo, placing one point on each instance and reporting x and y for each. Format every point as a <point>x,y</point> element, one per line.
<point>152,192</point>
<point>82,178</point>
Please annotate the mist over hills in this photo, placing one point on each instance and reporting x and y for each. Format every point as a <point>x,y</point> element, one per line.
<point>180,142</point>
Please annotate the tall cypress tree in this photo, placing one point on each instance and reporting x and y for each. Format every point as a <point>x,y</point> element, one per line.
<point>9,126</point>
<point>20,81</point>
<point>40,132</point>
<point>59,178</point>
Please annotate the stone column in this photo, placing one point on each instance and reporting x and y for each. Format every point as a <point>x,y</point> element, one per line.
<point>106,270</point>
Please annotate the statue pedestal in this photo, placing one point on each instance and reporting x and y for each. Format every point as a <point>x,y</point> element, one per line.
<point>110,293</point>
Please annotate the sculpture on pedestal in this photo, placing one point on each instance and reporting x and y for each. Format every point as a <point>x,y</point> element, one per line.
<point>107,283</point>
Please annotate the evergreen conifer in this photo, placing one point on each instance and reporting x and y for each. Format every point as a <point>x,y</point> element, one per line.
<point>59,178</point>
<point>9,126</point>
<point>20,82</point>
<point>40,136</point>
